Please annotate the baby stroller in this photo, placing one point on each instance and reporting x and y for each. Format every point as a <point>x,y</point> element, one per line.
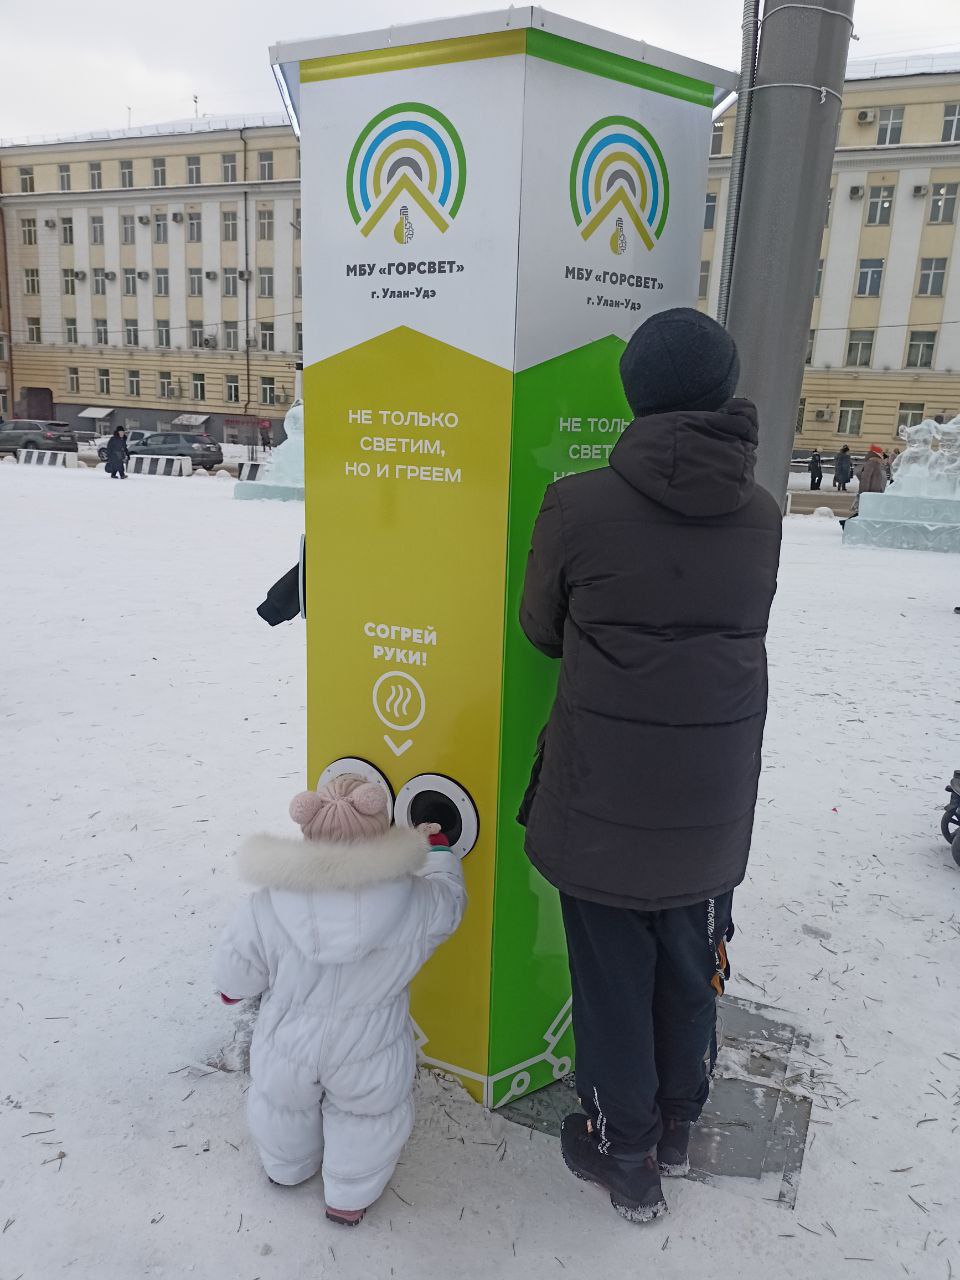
<point>950,822</point>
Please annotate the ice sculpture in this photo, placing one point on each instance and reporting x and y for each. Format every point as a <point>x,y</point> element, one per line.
<point>920,510</point>
<point>284,477</point>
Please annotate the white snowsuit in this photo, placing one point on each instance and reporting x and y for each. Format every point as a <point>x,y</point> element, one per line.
<point>333,939</point>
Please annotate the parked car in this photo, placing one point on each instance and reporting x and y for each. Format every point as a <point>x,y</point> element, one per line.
<point>36,433</point>
<point>195,445</point>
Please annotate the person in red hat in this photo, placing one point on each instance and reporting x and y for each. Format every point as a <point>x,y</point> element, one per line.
<point>873,473</point>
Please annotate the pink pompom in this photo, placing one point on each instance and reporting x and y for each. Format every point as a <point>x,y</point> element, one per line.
<point>370,799</point>
<point>304,807</point>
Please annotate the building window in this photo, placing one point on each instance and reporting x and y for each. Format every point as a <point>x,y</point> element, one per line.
<point>265,282</point>
<point>99,282</point>
<point>298,282</point>
<point>73,381</point>
<point>28,230</point>
<point>819,280</point>
<point>228,167</point>
<point>128,228</point>
<point>101,334</point>
<point>710,212</point>
<point>31,281</point>
<point>193,170</point>
<point>196,334</point>
<point>70,329</point>
<point>266,166</point>
<point>704,280</point>
<point>933,272</point>
<point>131,333</point>
<point>229,276</point>
<point>165,386</point>
<point>951,122</point>
<point>163,333</point>
<point>851,418</point>
<point>716,138</point>
<point>159,228</point>
<point>879,206</point>
<point>129,281</point>
<point>231,388</point>
<point>266,336</point>
<point>889,126</point>
<point>4,407</point>
<point>298,336</point>
<point>33,328</point>
<point>801,410</point>
<point>229,224</point>
<point>195,281</point>
<point>920,349</point>
<point>268,391</point>
<point>69,282</point>
<point>103,382</point>
<point>826,216</point>
<point>859,348</point>
<point>96,175</point>
<point>199,386</point>
<point>3,346</point>
<point>296,219</point>
<point>66,231</point>
<point>63,176</point>
<point>161,282</point>
<point>126,174</point>
<point>811,339</point>
<point>909,415</point>
<point>194,228</point>
<point>870,278</point>
<point>264,224</point>
<point>96,228</point>
<point>943,204</point>
<point>159,171</point>
<point>26,179</point>
<point>133,382</point>
<point>231,336</point>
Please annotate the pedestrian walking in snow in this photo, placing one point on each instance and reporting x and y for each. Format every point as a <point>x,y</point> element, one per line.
<point>843,469</point>
<point>117,454</point>
<point>339,926</point>
<point>815,467</point>
<point>652,580</point>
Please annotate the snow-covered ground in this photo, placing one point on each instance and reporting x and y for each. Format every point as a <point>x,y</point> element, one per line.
<point>150,719</point>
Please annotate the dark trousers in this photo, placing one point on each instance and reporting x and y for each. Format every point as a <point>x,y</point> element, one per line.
<point>645,987</point>
<point>816,480</point>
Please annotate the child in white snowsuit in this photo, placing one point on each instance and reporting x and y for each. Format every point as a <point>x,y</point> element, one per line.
<point>341,923</point>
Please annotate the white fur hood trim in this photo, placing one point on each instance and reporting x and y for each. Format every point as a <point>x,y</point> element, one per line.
<point>306,866</point>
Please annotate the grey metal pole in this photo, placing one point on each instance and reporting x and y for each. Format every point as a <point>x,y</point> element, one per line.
<point>789,160</point>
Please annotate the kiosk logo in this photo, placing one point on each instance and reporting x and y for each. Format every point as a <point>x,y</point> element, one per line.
<point>618,180</point>
<point>408,161</point>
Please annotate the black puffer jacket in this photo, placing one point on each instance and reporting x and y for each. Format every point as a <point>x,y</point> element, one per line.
<point>653,579</point>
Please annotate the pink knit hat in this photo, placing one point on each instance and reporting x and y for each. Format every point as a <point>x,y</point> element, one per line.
<point>347,809</point>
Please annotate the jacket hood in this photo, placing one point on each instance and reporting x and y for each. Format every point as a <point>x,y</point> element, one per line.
<point>697,462</point>
<point>337,901</point>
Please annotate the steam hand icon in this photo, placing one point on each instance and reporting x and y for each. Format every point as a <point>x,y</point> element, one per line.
<point>403,231</point>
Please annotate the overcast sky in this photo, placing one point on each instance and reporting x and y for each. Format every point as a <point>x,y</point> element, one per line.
<point>71,66</point>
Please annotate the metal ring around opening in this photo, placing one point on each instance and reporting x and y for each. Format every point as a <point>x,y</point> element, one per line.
<point>455,793</point>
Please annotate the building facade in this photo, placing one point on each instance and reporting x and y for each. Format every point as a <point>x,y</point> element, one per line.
<point>884,347</point>
<point>153,275</point>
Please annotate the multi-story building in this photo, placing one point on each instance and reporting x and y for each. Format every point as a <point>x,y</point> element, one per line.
<point>153,273</point>
<point>884,347</point>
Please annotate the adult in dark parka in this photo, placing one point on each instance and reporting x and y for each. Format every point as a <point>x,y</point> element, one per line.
<point>652,581</point>
<point>843,469</point>
<point>117,454</point>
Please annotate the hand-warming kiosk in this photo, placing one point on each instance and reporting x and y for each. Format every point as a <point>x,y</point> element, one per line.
<point>490,206</point>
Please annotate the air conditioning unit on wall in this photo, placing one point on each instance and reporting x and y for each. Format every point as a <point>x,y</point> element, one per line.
<point>920,191</point>
<point>867,117</point>
<point>210,343</point>
<point>856,193</point>
<point>143,220</point>
<point>143,275</point>
<point>824,415</point>
<point>177,217</point>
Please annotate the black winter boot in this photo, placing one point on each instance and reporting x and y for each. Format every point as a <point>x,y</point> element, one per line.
<point>672,1149</point>
<point>634,1188</point>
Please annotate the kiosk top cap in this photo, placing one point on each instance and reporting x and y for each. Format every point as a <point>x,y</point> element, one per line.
<point>528,29</point>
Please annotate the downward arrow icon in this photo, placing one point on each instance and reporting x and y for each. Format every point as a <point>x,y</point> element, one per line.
<point>397,750</point>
